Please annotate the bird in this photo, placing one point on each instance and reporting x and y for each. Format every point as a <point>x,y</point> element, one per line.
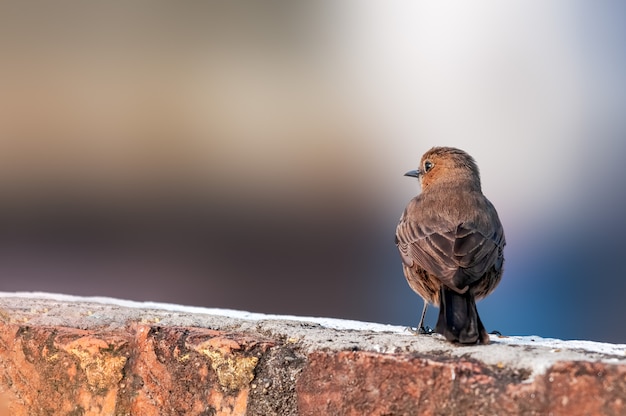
<point>451,243</point>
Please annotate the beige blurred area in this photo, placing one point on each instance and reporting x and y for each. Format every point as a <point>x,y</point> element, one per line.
<point>116,99</point>
<point>190,152</point>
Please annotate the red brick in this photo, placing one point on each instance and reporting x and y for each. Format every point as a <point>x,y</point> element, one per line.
<point>81,358</point>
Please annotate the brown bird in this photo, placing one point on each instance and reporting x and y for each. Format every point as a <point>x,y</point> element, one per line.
<point>451,241</point>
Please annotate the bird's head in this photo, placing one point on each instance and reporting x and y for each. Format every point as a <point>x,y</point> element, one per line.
<point>447,166</point>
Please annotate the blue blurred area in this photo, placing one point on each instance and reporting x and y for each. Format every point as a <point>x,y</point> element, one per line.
<point>250,155</point>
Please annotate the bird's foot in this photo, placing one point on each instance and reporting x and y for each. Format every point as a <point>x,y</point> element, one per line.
<point>421,330</point>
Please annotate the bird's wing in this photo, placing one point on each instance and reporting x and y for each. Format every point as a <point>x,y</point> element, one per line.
<point>459,254</point>
<point>476,252</point>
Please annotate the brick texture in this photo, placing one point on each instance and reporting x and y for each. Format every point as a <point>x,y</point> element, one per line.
<point>81,359</point>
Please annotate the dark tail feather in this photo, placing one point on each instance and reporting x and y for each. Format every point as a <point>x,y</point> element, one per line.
<point>458,318</point>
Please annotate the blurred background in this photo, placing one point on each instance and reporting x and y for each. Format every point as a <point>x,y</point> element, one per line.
<point>251,155</point>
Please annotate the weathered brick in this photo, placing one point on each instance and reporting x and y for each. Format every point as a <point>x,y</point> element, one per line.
<point>77,357</point>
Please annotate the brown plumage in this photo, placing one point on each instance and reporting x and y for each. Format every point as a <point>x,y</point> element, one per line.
<point>451,240</point>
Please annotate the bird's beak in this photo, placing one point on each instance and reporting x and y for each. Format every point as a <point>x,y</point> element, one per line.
<point>414,173</point>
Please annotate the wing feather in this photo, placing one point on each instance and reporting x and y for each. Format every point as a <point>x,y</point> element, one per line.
<point>459,254</point>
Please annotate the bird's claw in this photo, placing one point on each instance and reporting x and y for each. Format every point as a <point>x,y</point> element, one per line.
<point>421,330</point>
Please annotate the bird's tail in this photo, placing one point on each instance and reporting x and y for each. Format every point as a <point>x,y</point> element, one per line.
<point>458,318</point>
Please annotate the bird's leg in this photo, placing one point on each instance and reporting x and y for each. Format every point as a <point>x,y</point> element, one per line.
<point>420,328</point>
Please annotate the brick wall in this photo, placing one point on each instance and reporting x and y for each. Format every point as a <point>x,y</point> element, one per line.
<point>77,356</point>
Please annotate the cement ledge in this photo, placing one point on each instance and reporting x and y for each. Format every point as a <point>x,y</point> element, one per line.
<point>69,355</point>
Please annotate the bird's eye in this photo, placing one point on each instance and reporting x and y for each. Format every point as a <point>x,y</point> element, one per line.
<point>428,166</point>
